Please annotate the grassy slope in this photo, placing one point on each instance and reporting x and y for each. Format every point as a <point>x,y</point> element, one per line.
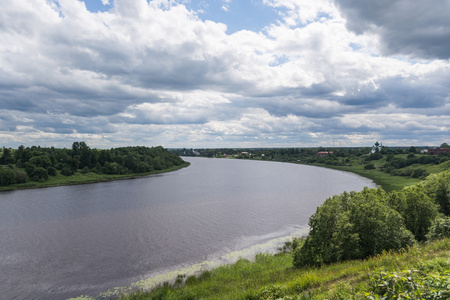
<point>247,280</point>
<point>388,182</point>
<point>79,178</point>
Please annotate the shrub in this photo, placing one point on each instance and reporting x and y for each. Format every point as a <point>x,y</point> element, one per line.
<point>66,171</point>
<point>272,292</point>
<point>369,167</point>
<point>352,226</point>
<point>191,280</point>
<point>40,174</point>
<point>7,177</point>
<point>440,228</point>
<point>409,284</point>
<point>416,208</point>
<point>21,176</point>
<point>437,187</point>
<point>52,171</point>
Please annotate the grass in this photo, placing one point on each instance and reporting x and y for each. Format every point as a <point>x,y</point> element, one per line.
<point>388,182</point>
<point>80,178</point>
<point>273,277</point>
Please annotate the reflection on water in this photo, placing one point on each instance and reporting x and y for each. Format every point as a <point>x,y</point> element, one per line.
<point>83,240</point>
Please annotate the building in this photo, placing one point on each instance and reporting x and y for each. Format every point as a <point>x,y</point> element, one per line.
<point>437,151</point>
<point>324,153</point>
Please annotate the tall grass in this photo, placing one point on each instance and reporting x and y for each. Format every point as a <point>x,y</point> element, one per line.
<point>273,277</point>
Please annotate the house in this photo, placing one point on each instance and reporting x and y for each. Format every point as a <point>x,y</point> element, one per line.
<point>437,151</point>
<point>324,153</point>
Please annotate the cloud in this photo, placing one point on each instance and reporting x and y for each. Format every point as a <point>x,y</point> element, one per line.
<point>415,28</point>
<point>155,73</point>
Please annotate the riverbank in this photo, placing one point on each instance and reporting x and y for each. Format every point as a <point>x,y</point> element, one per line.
<point>423,267</point>
<point>85,178</point>
<point>386,181</point>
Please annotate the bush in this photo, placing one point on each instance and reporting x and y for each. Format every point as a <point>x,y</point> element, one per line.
<point>416,208</point>
<point>7,177</point>
<point>21,176</point>
<point>52,171</point>
<point>418,173</point>
<point>66,171</point>
<point>409,284</point>
<point>437,187</point>
<point>352,226</point>
<point>389,170</point>
<point>40,174</point>
<point>369,167</point>
<point>440,228</point>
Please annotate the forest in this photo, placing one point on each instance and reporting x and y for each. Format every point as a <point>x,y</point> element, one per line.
<point>38,164</point>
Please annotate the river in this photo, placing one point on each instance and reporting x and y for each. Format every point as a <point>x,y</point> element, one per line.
<point>62,242</point>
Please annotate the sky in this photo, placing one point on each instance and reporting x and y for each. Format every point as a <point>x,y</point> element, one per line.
<point>224,73</point>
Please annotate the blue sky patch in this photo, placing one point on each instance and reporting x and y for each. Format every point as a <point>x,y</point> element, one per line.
<point>236,14</point>
<point>97,5</point>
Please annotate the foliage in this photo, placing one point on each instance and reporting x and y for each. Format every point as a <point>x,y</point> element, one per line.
<point>353,225</point>
<point>52,171</point>
<point>39,174</point>
<point>409,284</point>
<point>7,177</point>
<point>271,276</point>
<point>357,225</point>
<point>81,158</point>
<point>369,166</point>
<point>437,187</point>
<point>417,209</point>
<point>439,229</point>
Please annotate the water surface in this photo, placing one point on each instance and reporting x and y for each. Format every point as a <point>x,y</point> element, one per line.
<point>63,242</point>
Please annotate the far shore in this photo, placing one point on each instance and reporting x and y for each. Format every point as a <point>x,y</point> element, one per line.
<point>88,178</point>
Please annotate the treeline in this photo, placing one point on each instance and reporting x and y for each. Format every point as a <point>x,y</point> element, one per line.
<point>357,225</point>
<point>37,163</point>
<point>398,161</point>
<point>335,156</point>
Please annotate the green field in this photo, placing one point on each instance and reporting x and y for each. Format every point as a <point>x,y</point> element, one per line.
<point>386,181</point>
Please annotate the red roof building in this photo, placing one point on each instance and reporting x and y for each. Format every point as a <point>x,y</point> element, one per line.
<point>324,153</point>
<point>437,151</point>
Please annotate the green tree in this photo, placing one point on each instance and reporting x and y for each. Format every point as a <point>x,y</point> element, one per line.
<point>440,228</point>
<point>6,157</point>
<point>21,176</point>
<point>416,208</point>
<point>437,187</point>
<point>41,161</point>
<point>7,177</point>
<point>52,171</point>
<point>352,226</point>
<point>40,174</point>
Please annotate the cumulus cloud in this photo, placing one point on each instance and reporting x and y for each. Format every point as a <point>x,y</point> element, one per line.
<point>416,28</point>
<point>153,72</point>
